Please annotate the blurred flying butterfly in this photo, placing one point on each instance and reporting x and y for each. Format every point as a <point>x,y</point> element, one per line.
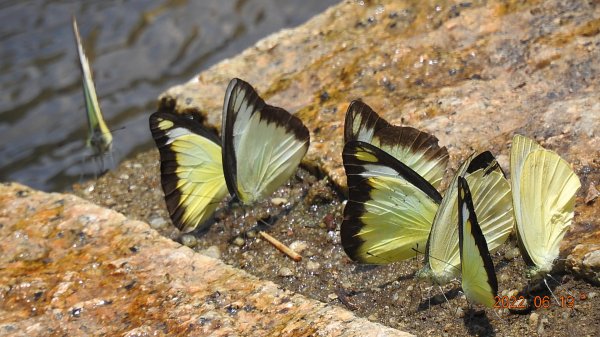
<point>99,137</point>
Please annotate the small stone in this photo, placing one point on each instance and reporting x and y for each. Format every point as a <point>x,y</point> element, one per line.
<point>543,323</point>
<point>460,312</point>
<point>189,240</point>
<point>124,176</point>
<point>592,294</point>
<point>251,234</point>
<point>534,319</point>
<point>512,253</point>
<point>212,251</point>
<point>312,266</point>
<point>504,278</point>
<point>158,223</point>
<point>298,246</point>
<point>332,297</point>
<point>372,317</point>
<point>279,201</point>
<point>592,194</point>
<point>513,293</point>
<point>329,222</point>
<point>239,241</point>
<point>285,272</point>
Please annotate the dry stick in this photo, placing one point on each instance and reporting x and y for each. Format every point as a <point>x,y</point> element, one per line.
<point>282,248</point>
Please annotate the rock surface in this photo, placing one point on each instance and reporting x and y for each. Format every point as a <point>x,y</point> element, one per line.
<point>72,268</point>
<point>471,73</point>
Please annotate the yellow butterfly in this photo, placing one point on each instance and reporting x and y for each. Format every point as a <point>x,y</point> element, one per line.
<point>544,187</point>
<point>478,278</point>
<point>99,137</point>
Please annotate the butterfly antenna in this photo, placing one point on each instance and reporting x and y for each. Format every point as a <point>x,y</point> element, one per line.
<point>551,292</point>
<point>565,289</point>
<point>455,267</point>
<point>446,298</point>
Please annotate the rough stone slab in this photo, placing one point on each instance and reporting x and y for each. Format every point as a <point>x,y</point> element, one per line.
<point>71,268</point>
<point>471,73</point>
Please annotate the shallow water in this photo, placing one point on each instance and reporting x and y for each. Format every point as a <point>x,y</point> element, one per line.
<point>137,49</point>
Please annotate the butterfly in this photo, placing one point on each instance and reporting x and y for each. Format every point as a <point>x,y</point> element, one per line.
<point>260,148</point>
<point>99,137</point>
<point>478,277</point>
<point>414,148</point>
<point>544,187</point>
<point>385,162</point>
<point>493,205</point>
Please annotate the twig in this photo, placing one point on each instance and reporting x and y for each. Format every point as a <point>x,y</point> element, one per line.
<point>282,248</point>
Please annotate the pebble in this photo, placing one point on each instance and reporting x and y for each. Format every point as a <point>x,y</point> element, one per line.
<point>285,272</point>
<point>533,319</point>
<point>542,324</point>
<point>158,223</point>
<point>212,251</point>
<point>312,266</point>
<point>189,240</point>
<point>332,297</point>
<point>460,312</point>
<point>124,176</point>
<point>372,317</point>
<point>279,201</point>
<point>513,293</point>
<point>504,278</point>
<point>512,253</point>
<point>251,234</point>
<point>239,241</point>
<point>592,294</point>
<point>298,246</point>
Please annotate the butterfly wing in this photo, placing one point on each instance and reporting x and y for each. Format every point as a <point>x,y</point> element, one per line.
<point>416,149</point>
<point>478,275</point>
<point>493,204</point>
<point>99,136</point>
<point>262,144</point>
<point>390,207</point>
<point>546,199</point>
<point>191,169</point>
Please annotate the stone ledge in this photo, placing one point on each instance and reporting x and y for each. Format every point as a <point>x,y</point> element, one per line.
<point>70,267</point>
